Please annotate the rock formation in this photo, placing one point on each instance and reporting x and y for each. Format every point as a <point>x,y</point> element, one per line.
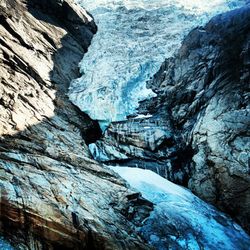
<point>149,143</point>
<point>205,89</point>
<point>203,97</point>
<point>53,196</point>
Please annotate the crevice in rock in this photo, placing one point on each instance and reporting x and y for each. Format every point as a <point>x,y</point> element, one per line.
<point>6,25</point>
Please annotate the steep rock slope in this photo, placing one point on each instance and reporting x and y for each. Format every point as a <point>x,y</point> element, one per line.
<point>205,90</point>
<point>52,195</point>
<point>198,132</point>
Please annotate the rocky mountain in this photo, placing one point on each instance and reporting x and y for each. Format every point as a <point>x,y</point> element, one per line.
<point>196,131</point>
<point>53,196</point>
<point>205,90</point>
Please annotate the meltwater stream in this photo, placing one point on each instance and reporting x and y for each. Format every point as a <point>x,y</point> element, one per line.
<point>133,39</point>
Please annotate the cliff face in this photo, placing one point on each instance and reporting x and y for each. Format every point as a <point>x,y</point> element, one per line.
<point>52,194</point>
<point>205,90</point>
<point>198,132</point>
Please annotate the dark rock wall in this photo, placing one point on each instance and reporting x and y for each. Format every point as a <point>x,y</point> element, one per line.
<point>205,88</point>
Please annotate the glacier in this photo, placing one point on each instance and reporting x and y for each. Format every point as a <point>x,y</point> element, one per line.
<point>133,39</point>
<point>4,245</point>
<point>180,220</point>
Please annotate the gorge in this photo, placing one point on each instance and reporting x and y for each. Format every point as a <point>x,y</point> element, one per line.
<point>155,93</point>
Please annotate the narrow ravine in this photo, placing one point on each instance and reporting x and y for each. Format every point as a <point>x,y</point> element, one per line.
<point>65,184</point>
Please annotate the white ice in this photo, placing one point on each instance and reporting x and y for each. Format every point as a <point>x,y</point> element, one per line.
<point>134,37</point>
<point>178,210</point>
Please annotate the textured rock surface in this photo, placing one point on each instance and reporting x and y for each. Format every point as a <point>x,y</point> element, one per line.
<point>202,105</point>
<point>205,89</point>
<point>149,143</point>
<point>52,195</point>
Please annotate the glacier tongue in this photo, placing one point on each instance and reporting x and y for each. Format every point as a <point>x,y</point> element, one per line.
<point>133,39</point>
<point>180,220</point>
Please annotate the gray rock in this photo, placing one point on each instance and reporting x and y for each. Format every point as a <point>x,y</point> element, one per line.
<point>149,143</point>
<point>206,89</point>
<point>202,113</point>
<point>53,195</point>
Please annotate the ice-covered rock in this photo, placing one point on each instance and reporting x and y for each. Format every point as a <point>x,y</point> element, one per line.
<point>203,94</point>
<point>133,40</point>
<point>145,142</point>
<point>181,220</point>
<point>49,188</point>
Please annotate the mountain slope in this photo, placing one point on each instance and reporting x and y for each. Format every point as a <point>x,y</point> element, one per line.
<point>52,194</point>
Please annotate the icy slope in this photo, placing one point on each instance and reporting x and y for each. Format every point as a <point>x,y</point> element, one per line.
<point>181,220</point>
<point>133,39</point>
